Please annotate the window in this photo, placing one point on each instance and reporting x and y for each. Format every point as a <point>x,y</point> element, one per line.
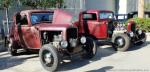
<point>41,17</point>
<point>24,20</point>
<point>89,16</point>
<point>105,15</point>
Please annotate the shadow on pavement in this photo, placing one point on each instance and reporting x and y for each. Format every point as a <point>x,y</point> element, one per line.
<point>138,46</point>
<point>103,52</point>
<point>103,69</point>
<point>78,62</point>
<point>9,61</point>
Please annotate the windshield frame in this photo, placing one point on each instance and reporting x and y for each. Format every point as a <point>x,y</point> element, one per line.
<point>45,12</point>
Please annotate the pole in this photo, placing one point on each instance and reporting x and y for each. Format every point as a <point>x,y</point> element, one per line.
<point>140,8</point>
<point>7,19</point>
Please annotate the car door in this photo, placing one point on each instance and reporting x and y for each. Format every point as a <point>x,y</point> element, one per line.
<point>29,35</point>
<point>91,25</point>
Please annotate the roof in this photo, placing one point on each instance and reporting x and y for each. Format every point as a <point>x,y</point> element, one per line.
<point>96,10</point>
<point>29,11</point>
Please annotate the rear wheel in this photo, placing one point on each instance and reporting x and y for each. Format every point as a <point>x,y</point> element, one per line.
<point>90,49</point>
<point>121,42</point>
<point>49,57</point>
<point>11,47</point>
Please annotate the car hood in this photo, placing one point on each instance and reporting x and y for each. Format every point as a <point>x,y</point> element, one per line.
<point>52,27</point>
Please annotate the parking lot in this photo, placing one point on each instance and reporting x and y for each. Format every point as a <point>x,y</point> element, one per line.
<point>136,59</point>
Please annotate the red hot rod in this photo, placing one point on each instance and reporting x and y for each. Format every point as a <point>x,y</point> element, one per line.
<point>102,26</point>
<point>50,32</point>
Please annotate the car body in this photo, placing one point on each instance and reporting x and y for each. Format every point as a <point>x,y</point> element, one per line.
<point>101,25</point>
<point>49,32</point>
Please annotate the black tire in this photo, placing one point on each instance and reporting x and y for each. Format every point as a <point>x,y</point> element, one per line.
<point>143,40</point>
<point>54,62</point>
<point>90,49</point>
<point>124,38</point>
<point>11,48</point>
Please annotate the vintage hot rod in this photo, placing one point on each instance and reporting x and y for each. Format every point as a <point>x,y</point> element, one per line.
<point>102,26</point>
<point>52,33</point>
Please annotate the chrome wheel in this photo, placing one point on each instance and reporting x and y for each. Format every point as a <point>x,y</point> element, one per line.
<point>48,58</point>
<point>120,42</point>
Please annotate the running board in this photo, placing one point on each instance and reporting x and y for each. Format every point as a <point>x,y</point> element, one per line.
<point>103,42</point>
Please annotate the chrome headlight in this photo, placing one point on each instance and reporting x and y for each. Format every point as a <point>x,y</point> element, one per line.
<point>83,40</point>
<point>131,34</point>
<point>139,32</point>
<point>64,44</point>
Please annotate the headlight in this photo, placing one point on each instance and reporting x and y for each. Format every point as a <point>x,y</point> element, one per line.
<point>64,44</point>
<point>131,34</point>
<point>83,40</point>
<point>139,32</point>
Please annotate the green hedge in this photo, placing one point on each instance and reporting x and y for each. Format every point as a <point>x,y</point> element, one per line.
<point>142,23</point>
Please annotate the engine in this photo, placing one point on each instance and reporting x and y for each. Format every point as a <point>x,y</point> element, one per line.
<point>56,38</point>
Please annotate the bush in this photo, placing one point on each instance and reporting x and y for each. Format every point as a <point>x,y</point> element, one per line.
<point>142,23</point>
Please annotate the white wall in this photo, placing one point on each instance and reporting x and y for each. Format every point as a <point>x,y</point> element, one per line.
<point>122,7</point>
<point>100,4</point>
<point>126,6</point>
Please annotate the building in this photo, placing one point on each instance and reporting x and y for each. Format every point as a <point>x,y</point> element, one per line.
<point>75,6</point>
<point>126,6</point>
<point>78,5</point>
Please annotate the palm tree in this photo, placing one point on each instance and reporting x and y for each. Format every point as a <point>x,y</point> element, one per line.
<point>140,8</point>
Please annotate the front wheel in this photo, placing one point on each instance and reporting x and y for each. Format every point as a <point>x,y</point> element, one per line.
<point>49,57</point>
<point>90,49</point>
<point>121,41</point>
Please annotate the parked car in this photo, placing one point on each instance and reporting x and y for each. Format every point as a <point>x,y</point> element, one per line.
<point>135,14</point>
<point>52,33</point>
<point>101,26</point>
<point>122,18</point>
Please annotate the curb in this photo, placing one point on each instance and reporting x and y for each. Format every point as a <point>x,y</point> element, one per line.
<point>148,34</point>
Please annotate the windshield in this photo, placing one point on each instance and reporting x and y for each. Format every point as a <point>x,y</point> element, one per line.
<point>41,17</point>
<point>106,15</point>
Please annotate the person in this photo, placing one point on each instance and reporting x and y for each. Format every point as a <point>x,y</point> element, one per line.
<point>34,19</point>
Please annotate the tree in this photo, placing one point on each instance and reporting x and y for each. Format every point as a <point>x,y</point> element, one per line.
<point>5,5</point>
<point>140,8</point>
<point>43,3</point>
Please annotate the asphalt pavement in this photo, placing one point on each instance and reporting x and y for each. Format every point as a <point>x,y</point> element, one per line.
<point>136,59</point>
